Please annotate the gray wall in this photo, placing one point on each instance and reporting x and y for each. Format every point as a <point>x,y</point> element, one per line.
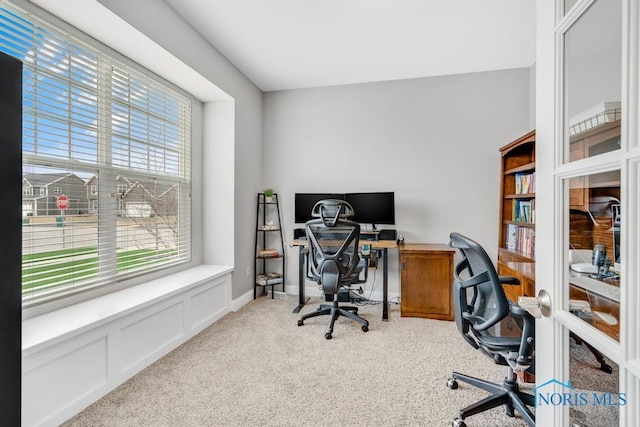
<point>434,141</point>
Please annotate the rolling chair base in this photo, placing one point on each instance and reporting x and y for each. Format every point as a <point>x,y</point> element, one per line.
<point>506,394</point>
<point>335,311</point>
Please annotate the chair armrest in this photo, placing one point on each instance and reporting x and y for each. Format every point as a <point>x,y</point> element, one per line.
<point>527,341</point>
<point>519,311</point>
<point>308,274</point>
<point>509,280</point>
<point>366,268</point>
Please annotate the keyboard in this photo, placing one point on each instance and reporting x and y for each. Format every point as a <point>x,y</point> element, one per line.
<point>596,286</point>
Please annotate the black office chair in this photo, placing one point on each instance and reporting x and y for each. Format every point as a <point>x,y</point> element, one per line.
<point>492,324</point>
<point>333,258</point>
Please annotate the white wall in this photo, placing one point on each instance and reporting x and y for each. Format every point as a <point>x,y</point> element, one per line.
<point>434,141</point>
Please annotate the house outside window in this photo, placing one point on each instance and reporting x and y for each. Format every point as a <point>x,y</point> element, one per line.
<point>43,191</point>
<point>86,114</point>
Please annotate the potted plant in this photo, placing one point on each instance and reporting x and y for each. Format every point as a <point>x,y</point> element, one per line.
<point>268,195</point>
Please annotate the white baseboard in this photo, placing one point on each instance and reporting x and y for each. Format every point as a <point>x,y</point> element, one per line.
<point>244,299</point>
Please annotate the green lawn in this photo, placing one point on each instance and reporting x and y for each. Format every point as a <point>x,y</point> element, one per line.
<point>78,265</point>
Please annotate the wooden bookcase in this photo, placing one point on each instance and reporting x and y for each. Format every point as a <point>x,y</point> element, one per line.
<point>518,165</point>
<point>516,239</point>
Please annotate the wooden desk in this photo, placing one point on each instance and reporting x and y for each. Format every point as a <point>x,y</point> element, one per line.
<point>602,304</point>
<point>526,273</point>
<point>376,245</point>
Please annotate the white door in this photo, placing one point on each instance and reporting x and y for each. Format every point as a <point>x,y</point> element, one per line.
<point>588,180</point>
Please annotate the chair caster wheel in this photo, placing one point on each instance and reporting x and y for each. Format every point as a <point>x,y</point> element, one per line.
<point>452,384</point>
<point>328,336</point>
<point>300,322</point>
<point>365,328</point>
<point>606,368</point>
<point>457,422</point>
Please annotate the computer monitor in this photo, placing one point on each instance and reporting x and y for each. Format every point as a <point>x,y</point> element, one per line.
<point>304,203</point>
<point>370,208</point>
<point>373,208</point>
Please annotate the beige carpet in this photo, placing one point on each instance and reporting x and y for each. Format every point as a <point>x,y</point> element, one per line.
<point>256,367</point>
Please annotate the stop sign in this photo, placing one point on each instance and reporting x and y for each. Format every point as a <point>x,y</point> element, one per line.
<point>62,202</point>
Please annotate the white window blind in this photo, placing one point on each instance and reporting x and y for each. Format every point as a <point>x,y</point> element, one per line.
<point>112,146</point>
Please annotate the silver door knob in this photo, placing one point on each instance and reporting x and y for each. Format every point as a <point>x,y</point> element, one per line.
<point>537,306</point>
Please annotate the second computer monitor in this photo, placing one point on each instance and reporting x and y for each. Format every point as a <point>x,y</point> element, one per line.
<point>370,208</point>
<point>373,208</point>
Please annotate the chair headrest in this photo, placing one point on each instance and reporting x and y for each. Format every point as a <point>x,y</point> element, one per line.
<point>458,241</point>
<point>330,210</point>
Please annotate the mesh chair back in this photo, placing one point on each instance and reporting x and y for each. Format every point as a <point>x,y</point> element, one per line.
<point>479,300</point>
<point>333,245</point>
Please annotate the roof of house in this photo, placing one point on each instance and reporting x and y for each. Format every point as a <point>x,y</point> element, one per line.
<point>44,179</point>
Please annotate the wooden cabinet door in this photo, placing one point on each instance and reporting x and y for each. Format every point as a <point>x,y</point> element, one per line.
<point>426,280</point>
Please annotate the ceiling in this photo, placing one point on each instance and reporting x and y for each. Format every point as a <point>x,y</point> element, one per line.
<point>291,44</point>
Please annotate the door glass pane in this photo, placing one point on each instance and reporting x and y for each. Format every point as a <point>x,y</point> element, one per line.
<point>593,274</point>
<point>595,397</point>
<point>592,81</point>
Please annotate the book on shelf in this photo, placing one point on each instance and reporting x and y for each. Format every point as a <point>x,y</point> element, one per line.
<point>268,253</point>
<point>269,279</point>
<point>520,239</point>
<point>523,211</point>
<point>512,237</point>
<point>268,228</point>
<point>525,183</point>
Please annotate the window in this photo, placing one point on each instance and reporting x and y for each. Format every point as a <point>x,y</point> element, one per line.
<point>89,119</point>
<point>43,191</point>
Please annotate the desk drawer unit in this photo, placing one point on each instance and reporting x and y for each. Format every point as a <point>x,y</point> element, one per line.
<point>426,277</point>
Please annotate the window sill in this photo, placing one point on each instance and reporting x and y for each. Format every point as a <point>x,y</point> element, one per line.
<point>57,326</point>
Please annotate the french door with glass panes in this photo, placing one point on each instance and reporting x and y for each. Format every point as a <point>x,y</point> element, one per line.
<point>588,180</point>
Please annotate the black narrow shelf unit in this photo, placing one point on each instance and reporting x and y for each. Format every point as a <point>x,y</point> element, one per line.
<point>269,266</point>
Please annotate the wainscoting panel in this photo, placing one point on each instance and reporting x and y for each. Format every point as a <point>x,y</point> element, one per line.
<point>65,373</point>
<point>67,378</point>
<point>208,304</point>
<point>157,328</point>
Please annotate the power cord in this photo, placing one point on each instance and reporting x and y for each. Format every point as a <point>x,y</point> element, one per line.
<point>361,300</point>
